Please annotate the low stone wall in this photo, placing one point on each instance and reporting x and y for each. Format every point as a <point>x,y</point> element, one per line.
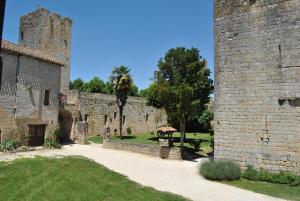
<point>173,153</point>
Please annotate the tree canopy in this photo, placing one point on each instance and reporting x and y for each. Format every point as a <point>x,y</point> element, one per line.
<point>97,85</point>
<point>182,85</point>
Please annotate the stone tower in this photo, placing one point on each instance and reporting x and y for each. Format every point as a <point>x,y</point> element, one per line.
<point>257,83</point>
<point>50,33</point>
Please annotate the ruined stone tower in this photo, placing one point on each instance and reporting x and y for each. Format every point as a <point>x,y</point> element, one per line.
<point>257,83</point>
<point>50,33</point>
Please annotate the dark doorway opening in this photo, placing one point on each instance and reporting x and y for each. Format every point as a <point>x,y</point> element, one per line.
<point>36,135</point>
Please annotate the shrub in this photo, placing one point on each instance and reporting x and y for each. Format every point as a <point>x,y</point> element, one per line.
<point>8,145</point>
<point>264,175</point>
<point>220,170</point>
<point>51,144</point>
<point>128,130</point>
<point>205,120</point>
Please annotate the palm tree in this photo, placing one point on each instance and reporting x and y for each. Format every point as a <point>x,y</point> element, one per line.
<point>122,83</point>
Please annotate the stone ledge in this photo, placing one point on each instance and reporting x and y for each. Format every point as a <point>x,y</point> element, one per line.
<point>173,153</point>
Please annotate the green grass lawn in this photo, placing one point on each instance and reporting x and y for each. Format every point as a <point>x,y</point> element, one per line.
<point>204,139</point>
<point>276,190</point>
<point>70,178</point>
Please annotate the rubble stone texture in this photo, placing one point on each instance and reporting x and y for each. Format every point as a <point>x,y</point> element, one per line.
<point>257,83</point>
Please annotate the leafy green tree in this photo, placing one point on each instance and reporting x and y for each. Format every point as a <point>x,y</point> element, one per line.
<point>109,87</point>
<point>205,119</point>
<point>77,84</point>
<point>151,94</point>
<point>122,83</point>
<point>134,91</point>
<point>183,84</point>
<point>95,85</point>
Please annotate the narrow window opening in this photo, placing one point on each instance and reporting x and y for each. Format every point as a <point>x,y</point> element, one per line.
<point>280,56</point>
<point>147,117</point>
<point>66,43</point>
<point>252,2</point>
<point>105,119</point>
<point>115,115</point>
<point>115,131</point>
<point>47,98</point>
<point>52,28</point>
<point>86,117</point>
<point>124,120</point>
<point>22,35</point>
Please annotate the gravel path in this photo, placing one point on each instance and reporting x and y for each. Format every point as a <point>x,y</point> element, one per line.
<point>178,177</point>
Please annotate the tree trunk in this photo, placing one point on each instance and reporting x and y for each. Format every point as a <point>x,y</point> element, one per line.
<point>182,136</point>
<point>121,121</point>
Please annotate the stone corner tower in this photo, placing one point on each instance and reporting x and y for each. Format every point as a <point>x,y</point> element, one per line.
<point>257,83</point>
<point>50,33</point>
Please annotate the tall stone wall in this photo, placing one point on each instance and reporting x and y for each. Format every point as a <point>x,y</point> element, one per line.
<point>50,33</point>
<point>24,81</point>
<point>257,83</point>
<point>101,111</point>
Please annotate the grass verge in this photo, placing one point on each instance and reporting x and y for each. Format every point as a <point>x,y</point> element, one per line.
<point>284,191</point>
<point>70,178</point>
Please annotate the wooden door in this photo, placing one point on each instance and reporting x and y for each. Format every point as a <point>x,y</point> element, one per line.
<point>36,135</point>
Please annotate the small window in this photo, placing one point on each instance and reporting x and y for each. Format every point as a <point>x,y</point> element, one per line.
<point>252,2</point>
<point>86,117</point>
<point>115,131</point>
<point>124,119</point>
<point>66,43</point>
<point>105,119</point>
<point>147,117</point>
<point>115,115</point>
<point>22,35</point>
<point>47,98</point>
<point>52,28</point>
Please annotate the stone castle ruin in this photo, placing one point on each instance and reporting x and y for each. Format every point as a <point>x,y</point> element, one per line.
<point>257,83</point>
<point>35,99</point>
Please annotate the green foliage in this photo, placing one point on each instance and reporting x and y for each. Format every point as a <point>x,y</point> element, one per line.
<point>152,96</point>
<point>77,84</point>
<point>51,144</point>
<point>129,132</point>
<point>134,91</point>
<point>220,170</point>
<point>97,85</point>
<point>8,145</point>
<point>205,119</point>
<point>183,85</point>
<point>264,175</point>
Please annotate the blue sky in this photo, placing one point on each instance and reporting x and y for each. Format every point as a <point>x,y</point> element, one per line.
<point>135,33</point>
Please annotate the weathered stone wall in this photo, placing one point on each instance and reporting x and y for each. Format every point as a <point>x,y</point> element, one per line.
<point>147,149</point>
<point>24,81</point>
<point>101,111</point>
<point>257,83</point>
<point>50,33</point>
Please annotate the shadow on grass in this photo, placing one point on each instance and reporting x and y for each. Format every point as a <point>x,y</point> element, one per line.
<point>193,151</point>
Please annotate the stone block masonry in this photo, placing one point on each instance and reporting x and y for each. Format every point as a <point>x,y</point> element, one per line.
<point>101,111</point>
<point>147,149</point>
<point>257,83</point>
